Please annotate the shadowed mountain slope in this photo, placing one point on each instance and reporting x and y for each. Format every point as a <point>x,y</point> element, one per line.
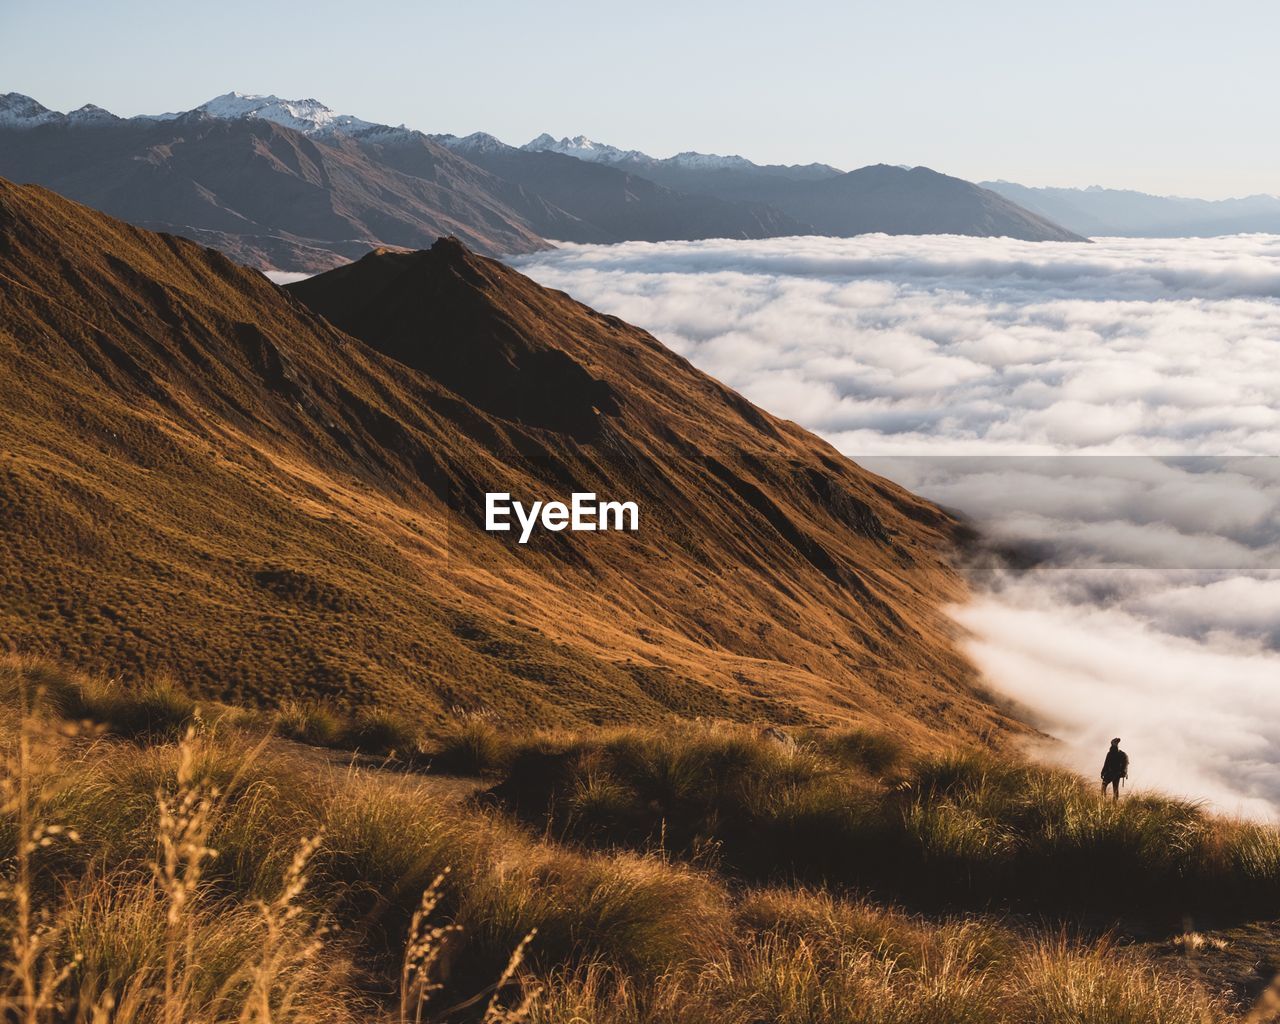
<point>200,474</point>
<point>902,201</point>
<point>613,205</point>
<point>878,198</point>
<point>270,196</point>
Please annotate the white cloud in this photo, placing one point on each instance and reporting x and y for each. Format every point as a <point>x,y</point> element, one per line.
<point>1156,615</point>
<point>984,345</point>
<point>283,277</point>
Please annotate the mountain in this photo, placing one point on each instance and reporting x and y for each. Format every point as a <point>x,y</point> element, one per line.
<point>893,200</point>
<point>19,113</point>
<point>914,201</point>
<point>1109,211</point>
<point>293,185</point>
<point>266,194</point>
<point>613,205</point>
<point>203,475</point>
<point>733,178</point>
<point>583,148</point>
<point>309,116</point>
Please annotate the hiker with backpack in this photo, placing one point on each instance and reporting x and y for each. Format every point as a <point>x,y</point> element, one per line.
<point>1114,768</point>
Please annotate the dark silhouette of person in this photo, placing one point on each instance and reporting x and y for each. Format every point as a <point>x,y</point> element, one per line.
<point>1114,768</point>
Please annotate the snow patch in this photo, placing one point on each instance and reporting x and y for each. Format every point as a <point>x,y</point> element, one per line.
<point>476,142</point>
<point>584,149</point>
<point>22,112</point>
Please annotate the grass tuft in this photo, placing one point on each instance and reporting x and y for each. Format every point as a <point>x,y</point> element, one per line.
<point>472,746</point>
<point>205,879</point>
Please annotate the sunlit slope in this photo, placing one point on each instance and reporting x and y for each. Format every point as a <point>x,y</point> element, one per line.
<point>199,474</point>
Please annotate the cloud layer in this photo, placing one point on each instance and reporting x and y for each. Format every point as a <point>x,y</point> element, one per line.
<point>978,345</point>
<point>1116,408</point>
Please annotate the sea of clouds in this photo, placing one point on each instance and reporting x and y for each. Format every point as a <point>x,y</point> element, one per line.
<point>1108,410</point>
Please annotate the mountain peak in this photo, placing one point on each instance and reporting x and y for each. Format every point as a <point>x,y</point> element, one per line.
<point>309,116</point>
<point>476,142</point>
<point>709,161</point>
<point>20,111</point>
<point>91,113</point>
<point>583,148</point>
<point>450,247</point>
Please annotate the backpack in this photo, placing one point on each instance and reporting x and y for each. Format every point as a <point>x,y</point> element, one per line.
<point>1116,766</point>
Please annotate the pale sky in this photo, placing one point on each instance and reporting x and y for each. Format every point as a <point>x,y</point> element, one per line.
<point>1168,97</point>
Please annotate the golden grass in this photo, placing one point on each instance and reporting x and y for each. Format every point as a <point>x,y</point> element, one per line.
<point>204,879</point>
<point>269,508</point>
<point>903,973</point>
<point>967,828</point>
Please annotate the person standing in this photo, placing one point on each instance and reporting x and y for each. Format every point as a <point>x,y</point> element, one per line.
<point>1114,768</point>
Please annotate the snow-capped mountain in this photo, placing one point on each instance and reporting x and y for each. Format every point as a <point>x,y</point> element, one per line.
<point>21,112</point>
<point>710,161</point>
<point>309,116</point>
<point>18,111</point>
<point>584,149</point>
<point>91,113</point>
<point>690,160</point>
<point>476,142</point>
<point>400,186</point>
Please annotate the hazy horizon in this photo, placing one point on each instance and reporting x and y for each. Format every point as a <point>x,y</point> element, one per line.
<point>1135,101</point>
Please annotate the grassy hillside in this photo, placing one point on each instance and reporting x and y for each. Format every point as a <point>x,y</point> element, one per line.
<point>174,862</point>
<point>199,474</point>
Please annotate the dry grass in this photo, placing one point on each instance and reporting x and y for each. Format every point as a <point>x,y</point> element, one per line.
<point>252,499</point>
<point>965,829</point>
<point>199,880</point>
<point>368,730</point>
<point>472,745</point>
<point>824,962</point>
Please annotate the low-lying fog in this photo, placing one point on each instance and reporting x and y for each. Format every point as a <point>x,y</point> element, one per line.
<point>1113,408</point>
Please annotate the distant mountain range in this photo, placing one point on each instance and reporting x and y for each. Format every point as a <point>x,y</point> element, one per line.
<point>619,203</point>
<point>265,193</point>
<point>803,191</point>
<point>293,185</point>
<point>884,198</point>
<point>1110,211</point>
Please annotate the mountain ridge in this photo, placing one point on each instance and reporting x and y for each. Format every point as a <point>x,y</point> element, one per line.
<point>205,476</point>
<point>1097,210</point>
<point>614,204</point>
<point>265,193</point>
<point>314,188</point>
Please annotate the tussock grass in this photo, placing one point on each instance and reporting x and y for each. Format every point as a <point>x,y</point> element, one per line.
<point>201,879</point>
<point>966,828</point>
<point>29,686</point>
<point>160,709</point>
<point>1058,981</point>
<point>375,731</point>
<point>384,845</point>
<point>471,746</point>
<point>320,725</point>
<point>367,730</point>
<point>157,710</point>
<point>874,751</point>
<point>118,927</point>
<point>824,962</point>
